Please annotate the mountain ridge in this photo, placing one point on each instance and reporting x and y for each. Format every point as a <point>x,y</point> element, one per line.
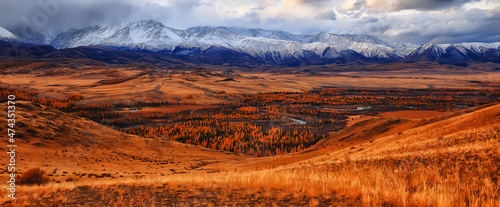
<point>260,45</point>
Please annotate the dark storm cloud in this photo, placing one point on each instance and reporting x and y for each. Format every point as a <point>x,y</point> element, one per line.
<point>397,5</point>
<point>428,4</point>
<point>55,16</point>
<point>464,25</point>
<point>52,16</point>
<point>326,15</point>
<point>469,26</point>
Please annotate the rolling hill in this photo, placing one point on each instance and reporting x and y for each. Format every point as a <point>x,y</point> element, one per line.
<point>68,146</point>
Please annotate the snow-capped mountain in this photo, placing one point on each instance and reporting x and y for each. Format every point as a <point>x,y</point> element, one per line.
<point>368,45</point>
<point>148,35</point>
<point>439,49</point>
<point>6,34</point>
<point>28,36</point>
<point>461,52</point>
<point>220,45</point>
<point>268,44</point>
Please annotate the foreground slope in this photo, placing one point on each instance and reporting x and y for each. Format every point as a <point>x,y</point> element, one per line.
<point>68,146</point>
<point>450,160</point>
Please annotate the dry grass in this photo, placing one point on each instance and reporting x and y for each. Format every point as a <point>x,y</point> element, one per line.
<point>382,183</point>
<point>173,191</point>
<point>459,179</point>
<point>412,114</point>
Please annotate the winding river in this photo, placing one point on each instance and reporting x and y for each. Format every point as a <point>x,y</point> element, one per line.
<point>298,121</point>
<point>356,109</point>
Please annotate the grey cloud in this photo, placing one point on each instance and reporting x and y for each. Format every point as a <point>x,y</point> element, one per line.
<point>326,15</point>
<point>356,13</point>
<point>369,20</point>
<point>52,16</point>
<point>461,26</point>
<point>58,17</point>
<point>372,25</point>
<point>397,5</point>
<point>428,4</point>
<point>313,2</point>
<point>252,18</point>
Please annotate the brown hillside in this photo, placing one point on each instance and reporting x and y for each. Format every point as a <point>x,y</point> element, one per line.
<point>68,146</point>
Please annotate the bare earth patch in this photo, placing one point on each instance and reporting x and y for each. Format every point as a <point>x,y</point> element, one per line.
<point>412,114</point>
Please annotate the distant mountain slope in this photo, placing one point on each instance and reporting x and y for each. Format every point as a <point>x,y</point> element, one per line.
<point>456,53</point>
<point>11,48</point>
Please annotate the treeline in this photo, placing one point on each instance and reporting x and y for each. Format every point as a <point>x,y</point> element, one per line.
<point>238,137</point>
<point>34,97</point>
<point>68,104</point>
<point>307,110</point>
<point>443,98</point>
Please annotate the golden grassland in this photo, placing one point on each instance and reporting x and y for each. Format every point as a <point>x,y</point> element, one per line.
<point>452,160</point>
<point>104,85</point>
<point>353,183</point>
<point>412,114</point>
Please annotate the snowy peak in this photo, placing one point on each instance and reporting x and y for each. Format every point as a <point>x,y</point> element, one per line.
<point>459,53</point>
<point>271,34</point>
<point>25,35</point>
<point>367,45</point>
<point>429,51</point>
<point>6,34</point>
<point>216,33</point>
<point>476,47</point>
<point>146,34</point>
<point>466,47</point>
<point>346,38</point>
<point>403,49</point>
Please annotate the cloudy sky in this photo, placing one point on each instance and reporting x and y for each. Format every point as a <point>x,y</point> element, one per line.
<point>417,21</point>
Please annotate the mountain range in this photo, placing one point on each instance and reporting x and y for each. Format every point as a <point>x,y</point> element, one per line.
<point>240,46</point>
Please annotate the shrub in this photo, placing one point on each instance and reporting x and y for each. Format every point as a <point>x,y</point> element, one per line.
<point>34,176</point>
<point>75,97</point>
